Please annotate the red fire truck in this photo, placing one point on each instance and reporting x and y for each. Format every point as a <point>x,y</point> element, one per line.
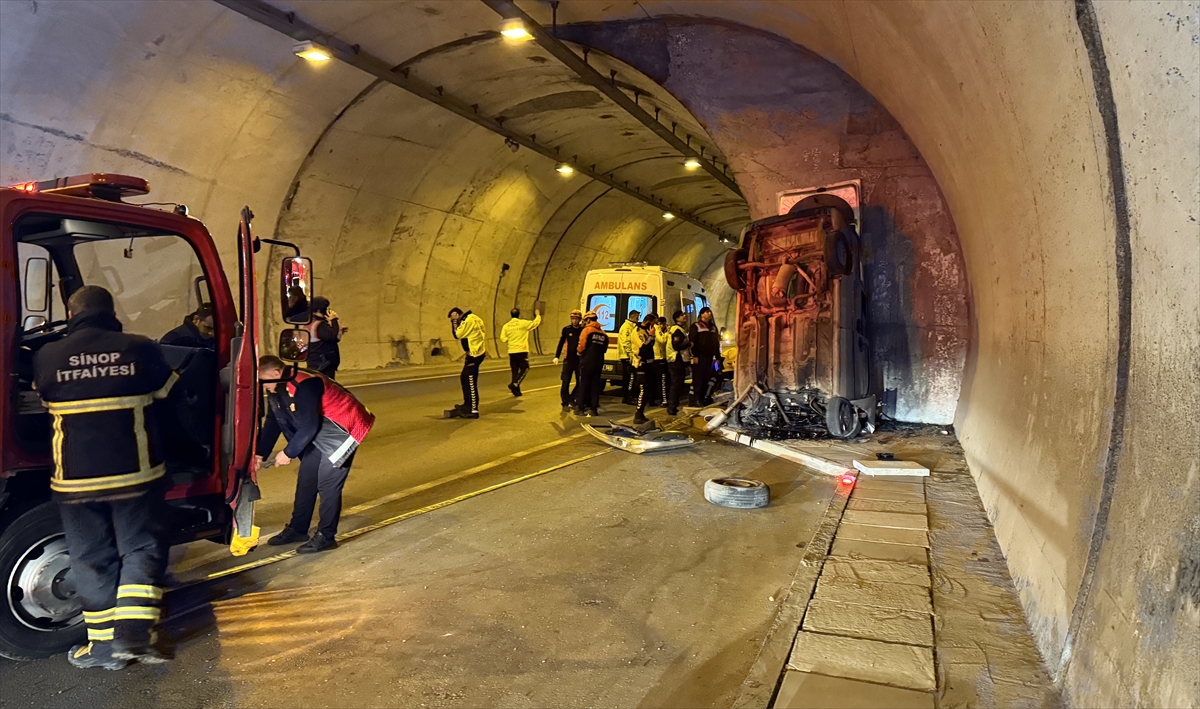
<point>161,266</point>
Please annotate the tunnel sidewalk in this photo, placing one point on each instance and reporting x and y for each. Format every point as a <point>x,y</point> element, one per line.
<point>904,598</point>
<point>408,373</point>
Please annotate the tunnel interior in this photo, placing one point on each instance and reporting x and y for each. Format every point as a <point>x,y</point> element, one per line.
<point>1028,262</point>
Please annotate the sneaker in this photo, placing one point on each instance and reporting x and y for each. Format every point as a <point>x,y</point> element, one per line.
<point>95,655</point>
<point>516,390</point>
<point>566,408</point>
<point>319,542</point>
<point>145,653</point>
<point>287,536</point>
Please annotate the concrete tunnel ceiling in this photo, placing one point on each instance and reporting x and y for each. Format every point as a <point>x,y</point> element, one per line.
<point>1066,155</point>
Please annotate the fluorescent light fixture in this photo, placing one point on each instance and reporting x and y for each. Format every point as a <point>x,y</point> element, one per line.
<point>312,52</point>
<point>668,216</point>
<point>564,168</point>
<point>691,163</point>
<point>514,29</point>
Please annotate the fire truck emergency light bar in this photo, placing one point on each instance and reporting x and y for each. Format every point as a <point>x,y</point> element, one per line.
<point>99,185</point>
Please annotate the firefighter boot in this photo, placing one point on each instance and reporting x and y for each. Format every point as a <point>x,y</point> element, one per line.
<point>142,650</point>
<point>95,654</point>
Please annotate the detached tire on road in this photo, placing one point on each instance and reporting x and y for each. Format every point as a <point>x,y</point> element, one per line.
<point>738,493</point>
<point>39,615</point>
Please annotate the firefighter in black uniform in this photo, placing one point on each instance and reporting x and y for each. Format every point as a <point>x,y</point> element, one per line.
<point>104,388</point>
<point>593,343</point>
<point>570,365</point>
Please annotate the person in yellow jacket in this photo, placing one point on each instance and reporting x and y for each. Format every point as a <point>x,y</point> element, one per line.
<point>468,328</point>
<point>516,333</point>
<point>625,350</point>
<point>662,337</point>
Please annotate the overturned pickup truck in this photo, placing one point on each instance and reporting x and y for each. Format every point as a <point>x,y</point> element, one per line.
<point>802,369</point>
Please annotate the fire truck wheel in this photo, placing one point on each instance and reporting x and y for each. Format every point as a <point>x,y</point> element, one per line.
<point>738,493</point>
<point>839,254</point>
<point>841,418</point>
<point>733,275</point>
<point>40,615</point>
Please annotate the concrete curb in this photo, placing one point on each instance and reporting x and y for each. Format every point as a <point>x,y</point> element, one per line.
<point>821,465</point>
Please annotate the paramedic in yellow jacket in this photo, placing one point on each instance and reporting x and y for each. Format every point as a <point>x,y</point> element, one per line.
<point>625,349</point>
<point>516,333</point>
<point>468,328</point>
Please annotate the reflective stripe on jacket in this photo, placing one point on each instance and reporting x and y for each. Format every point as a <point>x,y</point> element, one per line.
<point>104,390</point>
<point>470,330</point>
<point>516,333</point>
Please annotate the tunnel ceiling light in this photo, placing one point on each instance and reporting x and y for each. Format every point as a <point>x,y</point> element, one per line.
<point>514,29</point>
<point>668,216</point>
<point>564,168</point>
<point>691,163</point>
<point>312,51</point>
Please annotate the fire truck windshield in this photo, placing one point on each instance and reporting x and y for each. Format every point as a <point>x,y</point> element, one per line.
<point>153,276</point>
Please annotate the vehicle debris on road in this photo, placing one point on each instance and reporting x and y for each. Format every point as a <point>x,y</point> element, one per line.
<point>648,437</point>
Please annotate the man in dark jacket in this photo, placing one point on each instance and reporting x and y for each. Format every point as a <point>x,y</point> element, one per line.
<point>196,330</point>
<point>104,389</point>
<point>323,424</point>
<point>706,346</point>
<point>678,358</point>
<point>325,331</point>
<point>593,343</point>
<point>570,364</point>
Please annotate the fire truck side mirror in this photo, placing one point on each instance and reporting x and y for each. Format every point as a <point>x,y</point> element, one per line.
<point>37,284</point>
<point>295,290</point>
<point>293,345</point>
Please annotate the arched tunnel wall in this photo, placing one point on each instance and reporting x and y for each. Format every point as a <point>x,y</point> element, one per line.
<point>1073,194</point>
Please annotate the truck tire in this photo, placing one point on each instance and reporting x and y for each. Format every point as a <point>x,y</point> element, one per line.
<point>738,493</point>
<point>40,615</point>
<point>839,254</point>
<point>733,274</point>
<point>841,418</point>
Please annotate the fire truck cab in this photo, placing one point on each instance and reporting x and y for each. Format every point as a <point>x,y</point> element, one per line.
<point>161,266</point>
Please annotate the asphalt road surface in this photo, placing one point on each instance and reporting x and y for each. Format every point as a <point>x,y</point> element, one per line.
<point>565,573</point>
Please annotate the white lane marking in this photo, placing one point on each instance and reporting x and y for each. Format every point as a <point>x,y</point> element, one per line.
<point>401,494</point>
<point>436,376</point>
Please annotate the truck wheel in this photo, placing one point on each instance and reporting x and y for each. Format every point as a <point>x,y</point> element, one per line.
<point>841,418</point>
<point>839,254</point>
<point>733,275</point>
<point>40,615</point>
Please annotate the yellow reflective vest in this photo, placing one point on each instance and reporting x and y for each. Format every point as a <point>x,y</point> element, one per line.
<point>471,330</point>
<point>671,351</point>
<point>624,339</point>
<point>516,333</point>
<point>662,338</point>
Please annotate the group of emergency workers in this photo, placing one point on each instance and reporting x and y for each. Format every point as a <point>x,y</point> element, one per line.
<point>657,359</point>
<point>106,391</point>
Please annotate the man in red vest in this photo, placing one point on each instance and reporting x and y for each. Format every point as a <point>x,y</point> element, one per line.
<point>323,424</point>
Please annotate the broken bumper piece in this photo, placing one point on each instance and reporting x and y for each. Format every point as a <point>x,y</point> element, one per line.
<point>639,441</point>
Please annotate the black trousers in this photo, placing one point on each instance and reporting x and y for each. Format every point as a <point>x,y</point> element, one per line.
<point>518,362</point>
<point>627,381</point>
<point>570,368</point>
<point>470,382</point>
<point>318,476</point>
<point>702,371</point>
<point>117,560</point>
<point>658,386</point>
<point>643,381</point>
<point>678,380</point>
<point>587,396</point>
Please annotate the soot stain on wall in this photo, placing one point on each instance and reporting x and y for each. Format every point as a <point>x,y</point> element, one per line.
<point>786,119</point>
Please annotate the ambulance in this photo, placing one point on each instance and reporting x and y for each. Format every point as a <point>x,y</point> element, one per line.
<point>621,288</point>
